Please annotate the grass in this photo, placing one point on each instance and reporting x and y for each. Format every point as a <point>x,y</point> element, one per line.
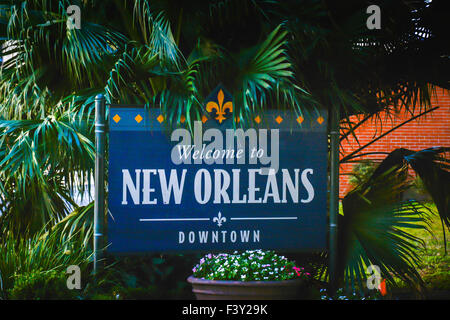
<point>434,267</point>
<point>435,263</point>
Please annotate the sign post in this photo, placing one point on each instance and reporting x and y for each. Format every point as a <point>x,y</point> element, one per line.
<point>99,197</point>
<point>334,193</point>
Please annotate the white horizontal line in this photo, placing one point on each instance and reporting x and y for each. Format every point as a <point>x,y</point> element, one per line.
<point>266,218</point>
<point>176,219</point>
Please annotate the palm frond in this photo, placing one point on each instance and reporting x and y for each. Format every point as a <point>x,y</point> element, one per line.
<point>374,226</point>
<point>156,32</point>
<point>373,229</point>
<point>433,167</point>
<point>42,163</point>
<point>44,251</point>
<point>265,78</point>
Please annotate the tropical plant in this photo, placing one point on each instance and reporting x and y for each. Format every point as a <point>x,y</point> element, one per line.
<point>50,75</point>
<point>143,277</point>
<point>42,163</point>
<point>361,171</point>
<point>374,219</point>
<point>303,55</point>
<point>46,253</point>
<point>341,294</point>
<point>39,285</point>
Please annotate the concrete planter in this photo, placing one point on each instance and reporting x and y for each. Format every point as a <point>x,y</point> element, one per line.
<point>245,290</point>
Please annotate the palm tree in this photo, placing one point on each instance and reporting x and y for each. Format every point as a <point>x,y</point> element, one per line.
<point>133,56</point>
<point>303,54</point>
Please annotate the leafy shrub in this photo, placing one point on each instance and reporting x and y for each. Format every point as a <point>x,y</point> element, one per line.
<point>22,258</point>
<point>419,186</point>
<point>361,172</point>
<point>251,265</point>
<point>144,277</point>
<point>41,285</point>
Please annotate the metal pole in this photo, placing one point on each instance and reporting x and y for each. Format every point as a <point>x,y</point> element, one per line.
<point>334,194</point>
<point>99,200</point>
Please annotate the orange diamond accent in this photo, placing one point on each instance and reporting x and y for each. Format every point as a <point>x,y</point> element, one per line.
<point>300,119</point>
<point>116,118</point>
<point>320,120</point>
<point>160,118</point>
<point>279,119</point>
<point>204,119</point>
<point>138,118</point>
<point>182,119</point>
<point>258,119</point>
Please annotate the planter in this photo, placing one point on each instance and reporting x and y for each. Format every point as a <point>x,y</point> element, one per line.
<point>245,290</point>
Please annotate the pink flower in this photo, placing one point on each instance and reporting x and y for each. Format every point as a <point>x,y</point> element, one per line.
<point>297,270</point>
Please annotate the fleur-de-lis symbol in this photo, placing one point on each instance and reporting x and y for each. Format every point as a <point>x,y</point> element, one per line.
<point>219,219</point>
<point>220,108</point>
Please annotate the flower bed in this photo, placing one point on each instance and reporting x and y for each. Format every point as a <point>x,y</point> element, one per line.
<point>251,265</point>
<point>253,274</point>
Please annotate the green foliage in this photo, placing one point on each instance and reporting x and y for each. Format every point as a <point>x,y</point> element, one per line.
<point>42,162</point>
<point>44,252</point>
<point>251,265</point>
<point>41,285</point>
<point>144,277</point>
<point>376,227</point>
<point>171,54</point>
<point>434,264</point>
<point>433,168</point>
<point>361,172</point>
<point>152,292</point>
<point>370,230</point>
<point>268,54</point>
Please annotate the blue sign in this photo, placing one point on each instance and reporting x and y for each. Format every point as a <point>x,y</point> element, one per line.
<point>210,187</point>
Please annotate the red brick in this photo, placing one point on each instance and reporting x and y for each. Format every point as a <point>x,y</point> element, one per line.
<point>430,130</point>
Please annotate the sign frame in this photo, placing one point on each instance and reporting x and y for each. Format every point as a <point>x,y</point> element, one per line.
<point>100,212</point>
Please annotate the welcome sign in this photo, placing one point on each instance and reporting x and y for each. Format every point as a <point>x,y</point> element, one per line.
<point>217,186</point>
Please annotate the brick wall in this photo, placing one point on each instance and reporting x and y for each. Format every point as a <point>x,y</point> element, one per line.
<point>430,130</point>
